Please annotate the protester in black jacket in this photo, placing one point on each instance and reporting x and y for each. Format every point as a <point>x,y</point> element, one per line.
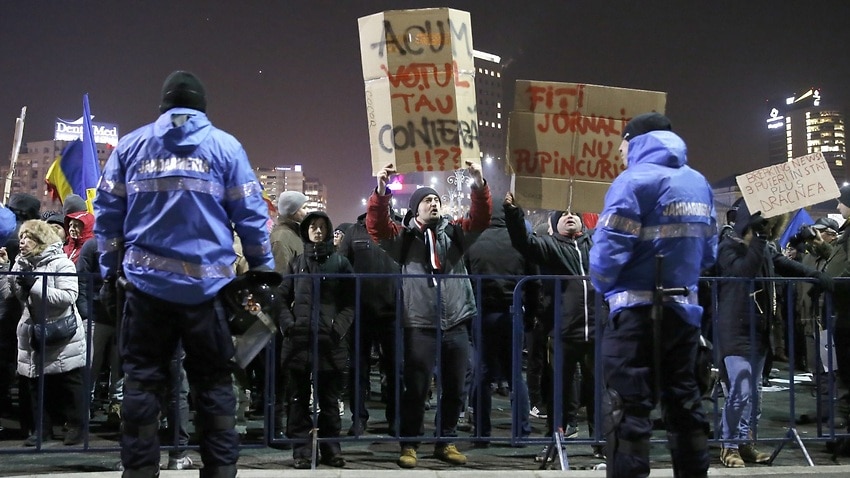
<point>104,330</point>
<point>564,252</point>
<point>491,255</point>
<point>309,273</point>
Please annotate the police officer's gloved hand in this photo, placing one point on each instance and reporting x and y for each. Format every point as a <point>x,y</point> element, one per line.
<point>25,283</point>
<point>109,298</point>
<point>759,225</point>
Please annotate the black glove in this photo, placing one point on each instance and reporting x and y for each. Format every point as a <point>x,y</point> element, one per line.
<point>758,224</point>
<point>25,283</point>
<point>109,299</point>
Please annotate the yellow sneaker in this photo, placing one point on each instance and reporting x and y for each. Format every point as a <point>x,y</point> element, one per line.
<point>449,454</point>
<point>407,459</point>
<point>731,458</point>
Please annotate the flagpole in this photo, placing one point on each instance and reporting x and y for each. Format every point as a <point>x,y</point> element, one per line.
<point>16,148</point>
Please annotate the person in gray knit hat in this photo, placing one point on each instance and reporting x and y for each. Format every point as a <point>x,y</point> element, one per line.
<point>286,243</point>
<point>285,237</point>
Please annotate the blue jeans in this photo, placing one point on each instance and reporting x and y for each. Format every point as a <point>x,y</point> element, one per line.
<point>738,418</point>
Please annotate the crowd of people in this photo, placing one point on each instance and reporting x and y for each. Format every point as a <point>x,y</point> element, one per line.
<point>141,274</point>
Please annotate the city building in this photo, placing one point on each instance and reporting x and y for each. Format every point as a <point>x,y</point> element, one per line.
<point>805,124</point>
<point>492,130</point>
<point>281,178</point>
<point>291,178</point>
<point>34,160</point>
<point>317,194</point>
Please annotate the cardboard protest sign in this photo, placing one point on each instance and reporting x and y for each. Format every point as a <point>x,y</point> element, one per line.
<point>419,75</point>
<point>786,187</point>
<point>564,138</point>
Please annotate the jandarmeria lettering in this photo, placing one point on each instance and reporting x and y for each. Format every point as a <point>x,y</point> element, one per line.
<point>687,209</point>
<point>196,165</point>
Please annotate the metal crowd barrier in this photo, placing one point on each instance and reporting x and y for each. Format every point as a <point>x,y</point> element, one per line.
<point>98,439</point>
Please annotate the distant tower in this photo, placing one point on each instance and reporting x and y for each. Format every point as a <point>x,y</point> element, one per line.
<point>489,92</point>
<point>317,195</point>
<point>801,125</point>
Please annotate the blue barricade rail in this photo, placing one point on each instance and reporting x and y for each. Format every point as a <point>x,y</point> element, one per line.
<point>793,387</point>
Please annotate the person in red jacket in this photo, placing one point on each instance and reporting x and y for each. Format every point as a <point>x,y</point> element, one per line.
<point>80,227</point>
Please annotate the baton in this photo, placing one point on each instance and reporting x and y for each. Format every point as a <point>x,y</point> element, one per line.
<point>657,314</point>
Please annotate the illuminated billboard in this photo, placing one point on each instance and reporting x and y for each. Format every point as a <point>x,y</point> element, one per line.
<point>106,133</point>
<point>776,117</point>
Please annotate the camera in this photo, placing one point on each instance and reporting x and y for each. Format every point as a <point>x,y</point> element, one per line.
<point>805,233</point>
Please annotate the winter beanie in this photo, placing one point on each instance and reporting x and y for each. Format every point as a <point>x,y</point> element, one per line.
<point>289,202</point>
<point>844,198</point>
<point>25,206</point>
<point>554,218</point>
<point>645,123</point>
<point>56,219</point>
<point>182,88</point>
<point>73,203</point>
<point>418,196</point>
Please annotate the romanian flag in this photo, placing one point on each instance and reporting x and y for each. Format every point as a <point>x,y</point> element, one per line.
<point>76,170</point>
<point>272,210</point>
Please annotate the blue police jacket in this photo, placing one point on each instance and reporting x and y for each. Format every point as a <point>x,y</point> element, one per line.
<point>7,224</point>
<point>170,198</point>
<point>658,205</point>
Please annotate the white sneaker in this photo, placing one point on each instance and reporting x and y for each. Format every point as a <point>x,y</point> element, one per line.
<point>537,413</point>
<point>184,463</point>
<point>341,408</point>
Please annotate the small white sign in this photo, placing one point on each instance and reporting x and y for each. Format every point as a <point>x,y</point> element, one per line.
<point>789,186</point>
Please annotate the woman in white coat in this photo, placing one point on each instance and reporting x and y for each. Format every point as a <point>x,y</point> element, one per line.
<point>48,298</point>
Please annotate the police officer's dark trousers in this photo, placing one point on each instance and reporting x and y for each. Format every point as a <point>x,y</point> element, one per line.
<point>627,362</point>
<point>150,334</point>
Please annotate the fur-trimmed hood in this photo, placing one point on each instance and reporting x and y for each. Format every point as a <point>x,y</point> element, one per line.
<point>41,232</point>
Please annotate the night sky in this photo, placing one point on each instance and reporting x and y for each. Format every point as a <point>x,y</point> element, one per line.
<point>284,76</point>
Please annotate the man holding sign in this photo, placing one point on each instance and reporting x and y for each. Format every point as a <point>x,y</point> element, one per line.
<point>658,207</point>
<point>437,310</point>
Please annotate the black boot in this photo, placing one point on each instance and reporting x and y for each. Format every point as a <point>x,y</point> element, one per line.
<point>144,472</point>
<point>222,471</point>
<point>689,451</point>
